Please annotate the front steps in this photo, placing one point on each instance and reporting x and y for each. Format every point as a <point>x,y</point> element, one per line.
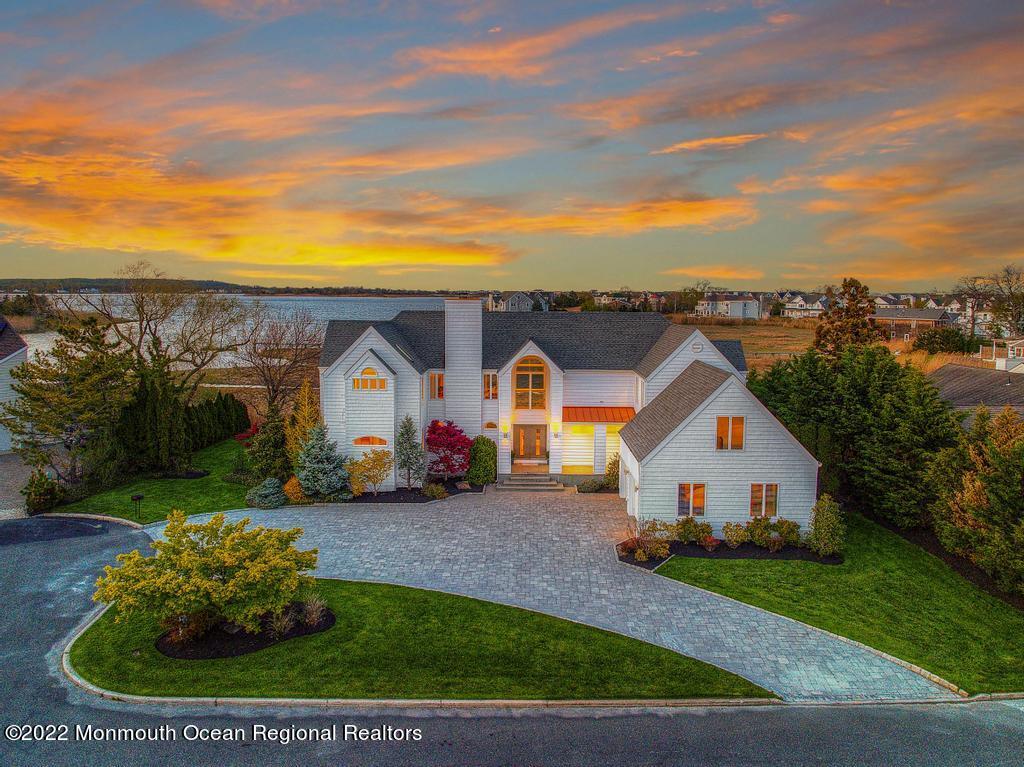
<point>531,483</point>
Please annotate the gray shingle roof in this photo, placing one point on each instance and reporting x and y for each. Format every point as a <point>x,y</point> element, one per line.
<point>654,423</point>
<point>966,387</point>
<point>637,341</point>
<point>10,341</point>
<point>910,314</point>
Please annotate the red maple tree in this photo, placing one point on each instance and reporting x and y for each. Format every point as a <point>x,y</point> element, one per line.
<point>449,446</point>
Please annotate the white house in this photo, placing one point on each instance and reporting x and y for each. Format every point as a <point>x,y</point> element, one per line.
<point>556,392</point>
<point>803,305</point>
<point>13,352</point>
<point>737,306</point>
<point>519,301</point>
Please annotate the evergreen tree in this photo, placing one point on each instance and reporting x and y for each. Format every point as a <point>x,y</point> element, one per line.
<point>305,415</point>
<point>154,427</point>
<point>410,457</point>
<point>845,322</point>
<point>268,455</point>
<point>321,469</point>
<point>66,399</point>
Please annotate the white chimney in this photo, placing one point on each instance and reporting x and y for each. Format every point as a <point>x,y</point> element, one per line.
<point>463,361</point>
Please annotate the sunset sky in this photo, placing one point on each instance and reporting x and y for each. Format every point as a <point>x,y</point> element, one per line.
<point>513,144</point>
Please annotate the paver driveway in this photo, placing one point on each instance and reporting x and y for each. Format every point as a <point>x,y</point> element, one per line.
<point>553,553</point>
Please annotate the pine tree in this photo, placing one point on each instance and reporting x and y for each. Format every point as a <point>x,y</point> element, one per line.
<point>268,455</point>
<point>321,469</point>
<point>410,457</point>
<point>845,322</point>
<point>305,415</point>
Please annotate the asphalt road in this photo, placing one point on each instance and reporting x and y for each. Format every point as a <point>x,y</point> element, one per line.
<point>46,572</point>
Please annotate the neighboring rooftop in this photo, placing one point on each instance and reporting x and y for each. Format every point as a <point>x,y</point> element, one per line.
<point>675,404</point>
<point>965,387</point>
<point>574,341</point>
<point>893,313</point>
<point>10,341</point>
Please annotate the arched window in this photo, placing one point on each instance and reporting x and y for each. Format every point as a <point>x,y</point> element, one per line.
<point>490,425</point>
<point>530,387</point>
<point>368,440</point>
<point>369,378</point>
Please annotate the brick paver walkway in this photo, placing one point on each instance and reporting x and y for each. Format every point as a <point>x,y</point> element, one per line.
<point>553,553</point>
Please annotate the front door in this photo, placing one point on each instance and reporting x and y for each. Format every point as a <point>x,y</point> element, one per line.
<point>531,442</point>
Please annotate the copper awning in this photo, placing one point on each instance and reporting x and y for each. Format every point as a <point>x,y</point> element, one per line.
<point>597,414</point>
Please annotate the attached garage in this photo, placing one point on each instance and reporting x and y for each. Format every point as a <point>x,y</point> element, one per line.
<point>13,352</point>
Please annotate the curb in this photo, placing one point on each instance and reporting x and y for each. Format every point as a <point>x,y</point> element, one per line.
<point>98,517</point>
<point>933,678</point>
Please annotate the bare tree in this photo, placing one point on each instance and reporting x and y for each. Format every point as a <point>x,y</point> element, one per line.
<point>281,349</point>
<point>1008,297</point>
<point>975,292</point>
<point>153,315</point>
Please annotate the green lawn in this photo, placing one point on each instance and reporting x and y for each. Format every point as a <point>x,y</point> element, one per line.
<point>193,496</point>
<point>888,594</point>
<point>398,642</point>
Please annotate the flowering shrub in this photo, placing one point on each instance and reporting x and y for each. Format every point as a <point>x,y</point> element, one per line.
<point>710,542</point>
<point>734,534</point>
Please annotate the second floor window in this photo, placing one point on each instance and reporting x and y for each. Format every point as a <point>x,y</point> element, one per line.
<point>764,499</point>
<point>529,381</point>
<point>437,386</point>
<point>730,432</point>
<point>369,379</point>
<point>490,386</point>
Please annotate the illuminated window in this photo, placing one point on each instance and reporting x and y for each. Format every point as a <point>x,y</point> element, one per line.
<point>437,386</point>
<point>764,499</point>
<point>729,435</point>
<point>490,386</point>
<point>368,440</point>
<point>529,379</point>
<point>490,425</point>
<point>691,499</point>
<point>369,379</point>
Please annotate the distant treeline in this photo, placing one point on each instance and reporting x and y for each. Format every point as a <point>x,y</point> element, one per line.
<point>116,285</point>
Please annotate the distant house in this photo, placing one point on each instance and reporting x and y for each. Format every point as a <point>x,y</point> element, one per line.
<point>804,305</point>
<point>737,306</point>
<point>519,301</point>
<point>13,352</point>
<point>966,388</point>
<point>907,323</point>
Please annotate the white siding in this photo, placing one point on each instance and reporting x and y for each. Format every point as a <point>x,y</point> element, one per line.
<point>343,409</point>
<point>680,360</point>
<point>505,420</point>
<point>612,445</point>
<point>554,414</point>
<point>629,478</point>
<point>611,388</point>
<point>578,448</point>
<point>768,455</point>
<point>463,352</point>
<point>7,393</point>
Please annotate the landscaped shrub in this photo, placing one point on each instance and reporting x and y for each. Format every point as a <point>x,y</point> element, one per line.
<point>205,574</point>
<point>356,485</point>
<point>947,339</point>
<point>268,454</point>
<point>267,495</point>
<point>828,528</point>
<point>651,538</point>
<point>321,470</point>
<point>734,534</point>
<point>41,493</point>
<point>788,530</point>
<point>611,473</point>
<point>314,608</point>
<point>483,461</point>
<point>590,486</point>
<point>450,447</point>
<point>710,543</point>
<point>410,457</point>
<point>293,489</point>
<point>373,469</point>
<point>760,530</point>
<point>304,416</point>
<point>435,490</point>
<point>690,530</point>
<point>775,543</point>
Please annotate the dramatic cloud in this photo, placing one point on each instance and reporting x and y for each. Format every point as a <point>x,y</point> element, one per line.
<point>712,142</point>
<point>717,272</point>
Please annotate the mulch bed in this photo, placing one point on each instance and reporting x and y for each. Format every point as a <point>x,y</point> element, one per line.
<point>743,551</point>
<point>402,495</point>
<point>926,539</point>
<point>218,643</point>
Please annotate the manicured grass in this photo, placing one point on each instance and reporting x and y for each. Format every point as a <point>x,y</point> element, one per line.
<point>888,594</point>
<point>397,642</point>
<point>193,496</point>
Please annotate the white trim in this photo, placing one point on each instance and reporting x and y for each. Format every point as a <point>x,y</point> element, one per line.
<point>341,357</point>
<point>521,352</point>
<point>708,346</point>
<point>360,363</point>
<point>14,354</point>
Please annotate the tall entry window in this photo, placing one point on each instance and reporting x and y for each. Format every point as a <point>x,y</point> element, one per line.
<point>529,384</point>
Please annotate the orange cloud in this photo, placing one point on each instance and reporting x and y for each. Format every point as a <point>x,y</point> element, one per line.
<point>526,56</point>
<point>712,142</point>
<point>717,272</point>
